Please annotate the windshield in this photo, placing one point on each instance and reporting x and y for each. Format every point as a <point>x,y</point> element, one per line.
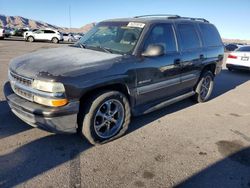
<point>113,37</point>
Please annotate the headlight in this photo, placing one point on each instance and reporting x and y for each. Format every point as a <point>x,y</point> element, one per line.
<point>50,102</point>
<point>52,87</point>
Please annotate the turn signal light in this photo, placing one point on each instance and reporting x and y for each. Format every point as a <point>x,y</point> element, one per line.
<point>60,102</point>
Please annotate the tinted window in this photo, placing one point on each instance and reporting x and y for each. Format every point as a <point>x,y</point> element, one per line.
<point>39,31</point>
<point>162,34</point>
<point>244,49</point>
<point>210,35</point>
<point>189,38</point>
<point>48,31</point>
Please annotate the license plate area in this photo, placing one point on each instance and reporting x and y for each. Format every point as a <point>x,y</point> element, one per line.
<point>245,58</point>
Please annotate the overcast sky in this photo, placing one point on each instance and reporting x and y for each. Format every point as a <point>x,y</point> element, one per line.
<point>230,16</point>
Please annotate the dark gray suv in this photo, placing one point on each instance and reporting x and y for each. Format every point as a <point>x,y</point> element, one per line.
<point>121,68</point>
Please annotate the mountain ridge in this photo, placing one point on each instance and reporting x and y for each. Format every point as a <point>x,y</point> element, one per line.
<point>22,22</point>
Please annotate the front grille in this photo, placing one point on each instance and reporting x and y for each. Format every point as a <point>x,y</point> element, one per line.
<point>21,86</point>
<point>21,79</point>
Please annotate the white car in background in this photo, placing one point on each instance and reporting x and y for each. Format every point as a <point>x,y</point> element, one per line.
<point>239,59</point>
<point>69,37</point>
<point>43,35</point>
<point>78,36</point>
<point>2,31</point>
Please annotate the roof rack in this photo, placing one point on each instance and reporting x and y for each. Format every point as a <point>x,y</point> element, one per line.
<point>158,15</point>
<point>172,16</point>
<point>195,19</point>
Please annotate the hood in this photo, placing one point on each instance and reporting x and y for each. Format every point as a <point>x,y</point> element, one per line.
<point>62,61</point>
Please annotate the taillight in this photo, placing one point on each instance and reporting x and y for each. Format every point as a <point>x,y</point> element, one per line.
<point>232,56</point>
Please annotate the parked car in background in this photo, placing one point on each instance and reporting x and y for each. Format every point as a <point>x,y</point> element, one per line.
<point>239,59</point>
<point>231,47</point>
<point>69,37</point>
<point>120,68</point>
<point>2,33</point>
<point>43,35</point>
<point>7,32</point>
<point>20,32</point>
<point>12,32</point>
<point>30,30</point>
<point>78,36</point>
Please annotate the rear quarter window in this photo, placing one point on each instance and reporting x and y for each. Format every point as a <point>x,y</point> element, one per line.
<point>210,35</point>
<point>244,49</point>
<point>188,35</point>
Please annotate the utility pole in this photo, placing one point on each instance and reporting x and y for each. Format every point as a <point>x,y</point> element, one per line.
<point>69,17</point>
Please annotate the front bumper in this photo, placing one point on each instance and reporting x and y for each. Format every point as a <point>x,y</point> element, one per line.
<point>57,120</point>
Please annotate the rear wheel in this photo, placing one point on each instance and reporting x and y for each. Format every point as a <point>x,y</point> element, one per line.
<point>30,39</point>
<point>105,117</point>
<point>204,87</point>
<point>55,40</point>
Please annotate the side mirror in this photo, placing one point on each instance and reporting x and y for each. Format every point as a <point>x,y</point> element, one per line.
<point>153,50</point>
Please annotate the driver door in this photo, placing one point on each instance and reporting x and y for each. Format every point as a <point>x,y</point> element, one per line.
<point>159,77</point>
<point>39,34</point>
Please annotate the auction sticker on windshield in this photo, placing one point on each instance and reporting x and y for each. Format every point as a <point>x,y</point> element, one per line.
<point>135,24</point>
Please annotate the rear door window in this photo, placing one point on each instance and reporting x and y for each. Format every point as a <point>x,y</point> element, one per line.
<point>210,35</point>
<point>162,34</point>
<point>189,38</point>
<point>49,31</point>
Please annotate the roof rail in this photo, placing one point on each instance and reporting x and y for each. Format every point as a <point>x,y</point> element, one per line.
<point>195,19</point>
<point>172,16</point>
<point>158,15</point>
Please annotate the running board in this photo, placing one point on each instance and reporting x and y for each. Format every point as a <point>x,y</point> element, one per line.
<point>169,102</point>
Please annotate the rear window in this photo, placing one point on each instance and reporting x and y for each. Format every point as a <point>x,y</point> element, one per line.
<point>244,49</point>
<point>210,35</point>
<point>189,38</point>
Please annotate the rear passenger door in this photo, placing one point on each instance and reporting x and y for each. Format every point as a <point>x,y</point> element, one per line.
<point>48,34</point>
<point>159,77</point>
<point>192,54</point>
<point>212,44</point>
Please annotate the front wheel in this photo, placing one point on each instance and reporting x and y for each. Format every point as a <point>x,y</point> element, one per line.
<point>204,87</point>
<point>30,39</point>
<point>105,117</point>
<point>55,40</point>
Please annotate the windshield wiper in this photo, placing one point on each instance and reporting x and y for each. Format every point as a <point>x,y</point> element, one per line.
<point>105,49</point>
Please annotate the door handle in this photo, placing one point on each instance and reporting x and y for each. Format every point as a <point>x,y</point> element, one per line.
<point>202,56</point>
<point>177,62</point>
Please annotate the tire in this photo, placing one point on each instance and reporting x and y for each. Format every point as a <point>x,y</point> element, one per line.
<point>55,40</point>
<point>230,69</point>
<point>94,127</point>
<point>204,87</point>
<point>30,39</point>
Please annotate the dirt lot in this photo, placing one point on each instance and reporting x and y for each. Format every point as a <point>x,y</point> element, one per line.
<point>184,145</point>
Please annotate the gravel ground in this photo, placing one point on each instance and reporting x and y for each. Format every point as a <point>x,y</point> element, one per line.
<point>183,145</point>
